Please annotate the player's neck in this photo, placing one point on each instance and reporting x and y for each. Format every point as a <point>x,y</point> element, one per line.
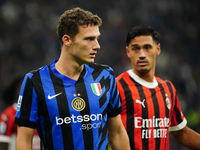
<point>147,76</point>
<point>69,68</point>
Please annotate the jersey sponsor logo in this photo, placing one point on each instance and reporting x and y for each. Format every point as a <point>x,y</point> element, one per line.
<point>19,103</point>
<point>78,104</point>
<point>141,102</point>
<point>51,97</point>
<point>167,102</point>
<point>152,127</point>
<point>95,118</point>
<point>96,88</point>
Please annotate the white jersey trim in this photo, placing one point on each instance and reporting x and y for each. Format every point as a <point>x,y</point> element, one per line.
<point>150,85</point>
<point>5,139</point>
<point>178,127</point>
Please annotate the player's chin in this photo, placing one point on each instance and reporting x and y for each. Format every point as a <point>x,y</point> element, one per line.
<point>143,69</point>
<point>90,61</point>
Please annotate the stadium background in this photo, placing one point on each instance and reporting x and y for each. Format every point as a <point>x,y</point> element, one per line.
<point>28,40</point>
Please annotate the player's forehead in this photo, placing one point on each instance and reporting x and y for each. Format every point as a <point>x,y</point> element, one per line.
<point>89,31</point>
<point>142,40</point>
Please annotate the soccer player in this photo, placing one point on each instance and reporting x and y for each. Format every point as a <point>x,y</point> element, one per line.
<point>8,129</point>
<point>73,102</point>
<point>150,105</point>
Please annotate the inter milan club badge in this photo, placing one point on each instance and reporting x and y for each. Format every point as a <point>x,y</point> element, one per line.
<point>78,104</point>
<point>96,88</point>
<point>167,102</point>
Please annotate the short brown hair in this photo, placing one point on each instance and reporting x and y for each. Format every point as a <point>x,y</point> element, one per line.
<point>70,21</point>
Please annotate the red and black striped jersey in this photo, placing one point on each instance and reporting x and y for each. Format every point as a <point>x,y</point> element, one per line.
<point>8,128</point>
<point>150,111</point>
<point>7,119</point>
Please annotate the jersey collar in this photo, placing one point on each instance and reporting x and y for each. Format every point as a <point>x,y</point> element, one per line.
<point>143,82</point>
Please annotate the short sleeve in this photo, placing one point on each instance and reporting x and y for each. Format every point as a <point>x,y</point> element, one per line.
<point>27,113</point>
<point>178,120</point>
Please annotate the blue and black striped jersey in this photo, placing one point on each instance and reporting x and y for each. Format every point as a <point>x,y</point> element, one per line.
<point>69,114</point>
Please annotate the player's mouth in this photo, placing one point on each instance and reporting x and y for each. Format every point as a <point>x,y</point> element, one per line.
<point>142,62</point>
<point>92,55</point>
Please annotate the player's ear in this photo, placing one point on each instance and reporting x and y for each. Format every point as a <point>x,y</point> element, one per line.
<point>127,51</point>
<point>158,49</point>
<point>66,40</point>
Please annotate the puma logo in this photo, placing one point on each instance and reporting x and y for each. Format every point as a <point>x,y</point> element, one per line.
<point>142,103</point>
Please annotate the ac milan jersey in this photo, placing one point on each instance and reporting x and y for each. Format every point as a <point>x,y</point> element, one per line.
<point>69,114</point>
<point>8,129</point>
<point>7,119</point>
<point>150,111</point>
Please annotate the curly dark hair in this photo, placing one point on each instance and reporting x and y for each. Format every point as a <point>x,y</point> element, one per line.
<point>70,21</point>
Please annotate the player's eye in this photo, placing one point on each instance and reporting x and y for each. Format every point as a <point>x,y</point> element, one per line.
<point>147,47</point>
<point>90,38</point>
<point>135,48</point>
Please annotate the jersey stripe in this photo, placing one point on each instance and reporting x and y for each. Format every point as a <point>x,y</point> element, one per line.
<point>26,110</point>
<point>47,139</point>
<point>62,103</point>
<point>165,87</point>
<point>81,89</point>
<point>129,105</point>
<point>142,92</point>
<point>151,114</point>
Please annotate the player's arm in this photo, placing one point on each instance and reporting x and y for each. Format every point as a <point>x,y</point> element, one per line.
<point>188,138</point>
<point>24,138</point>
<point>117,136</point>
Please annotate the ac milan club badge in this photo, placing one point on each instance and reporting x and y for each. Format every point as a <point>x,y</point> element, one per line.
<point>167,102</point>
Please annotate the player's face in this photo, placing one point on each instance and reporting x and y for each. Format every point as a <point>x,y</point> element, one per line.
<point>142,51</point>
<point>85,44</point>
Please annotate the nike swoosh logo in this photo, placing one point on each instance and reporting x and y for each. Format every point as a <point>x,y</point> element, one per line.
<point>51,97</point>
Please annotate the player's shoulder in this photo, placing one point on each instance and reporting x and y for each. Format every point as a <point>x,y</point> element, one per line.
<point>120,76</point>
<point>35,73</point>
<point>101,67</point>
<point>162,81</point>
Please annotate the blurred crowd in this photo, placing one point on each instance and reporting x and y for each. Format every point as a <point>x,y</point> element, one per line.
<point>28,40</point>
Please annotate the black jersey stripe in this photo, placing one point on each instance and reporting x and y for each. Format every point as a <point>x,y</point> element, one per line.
<point>47,123</point>
<point>103,129</point>
<point>144,111</point>
<point>103,82</point>
<point>172,93</point>
<point>130,109</point>
<point>103,132</point>
<point>177,111</point>
<point>63,111</point>
<point>157,115</point>
<point>163,92</point>
<point>81,89</point>
<point>28,94</point>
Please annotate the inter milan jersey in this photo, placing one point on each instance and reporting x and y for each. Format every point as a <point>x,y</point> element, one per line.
<point>69,114</point>
<point>150,111</point>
